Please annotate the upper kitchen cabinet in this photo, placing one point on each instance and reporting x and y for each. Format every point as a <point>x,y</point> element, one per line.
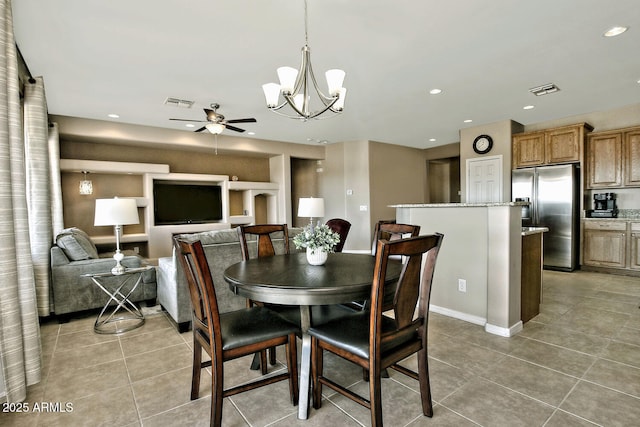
<point>613,159</point>
<point>550,147</point>
<point>528,149</point>
<point>604,160</point>
<point>632,158</point>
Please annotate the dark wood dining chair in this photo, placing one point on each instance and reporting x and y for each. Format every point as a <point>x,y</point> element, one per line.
<point>375,341</point>
<point>230,335</point>
<point>264,234</point>
<point>342,227</point>
<point>390,230</point>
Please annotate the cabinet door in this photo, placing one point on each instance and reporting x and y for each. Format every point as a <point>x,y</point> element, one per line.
<point>528,150</point>
<point>634,241</point>
<point>604,248</point>
<point>632,158</point>
<point>563,145</point>
<point>604,160</point>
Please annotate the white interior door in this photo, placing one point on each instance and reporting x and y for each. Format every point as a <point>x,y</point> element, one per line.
<point>484,180</point>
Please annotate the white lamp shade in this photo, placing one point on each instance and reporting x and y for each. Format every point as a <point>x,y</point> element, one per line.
<point>339,104</point>
<point>116,211</point>
<point>335,78</point>
<point>298,101</point>
<point>287,76</point>
<point>214,128</point>
<point>310,207</point>
<point>271,93</point>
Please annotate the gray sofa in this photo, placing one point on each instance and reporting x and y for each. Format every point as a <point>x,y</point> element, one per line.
<point>222,248</point>
<point>73,255</point>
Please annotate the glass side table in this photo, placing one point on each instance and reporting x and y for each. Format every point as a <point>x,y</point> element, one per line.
<point>124,309</point>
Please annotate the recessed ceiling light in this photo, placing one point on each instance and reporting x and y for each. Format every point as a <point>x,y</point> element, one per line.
<point>468,121</point>
<point>251,133</point>
<point>190,125</point>
<point>615,31</point>
<point>113,116</point>
<point>432,140</point>
<point>528,107</point>
<point>435,91</point>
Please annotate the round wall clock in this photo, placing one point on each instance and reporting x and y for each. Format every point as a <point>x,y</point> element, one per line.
<point>482,144</point>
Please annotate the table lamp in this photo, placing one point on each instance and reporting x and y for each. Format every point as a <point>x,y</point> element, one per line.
<point>311,207</point>
<point>116,212</point>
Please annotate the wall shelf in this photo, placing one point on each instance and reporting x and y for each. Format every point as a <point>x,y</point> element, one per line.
<point>125,238</point>
<point>99,166</point>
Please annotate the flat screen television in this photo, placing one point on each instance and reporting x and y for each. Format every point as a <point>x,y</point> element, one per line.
<point>186,203</point>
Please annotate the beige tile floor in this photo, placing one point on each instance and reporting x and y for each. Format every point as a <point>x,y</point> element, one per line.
<point>575,364</point>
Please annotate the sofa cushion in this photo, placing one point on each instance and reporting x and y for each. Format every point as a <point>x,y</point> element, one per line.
<point>76,244</point>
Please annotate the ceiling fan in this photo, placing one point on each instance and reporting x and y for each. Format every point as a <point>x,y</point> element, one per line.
<point>216,122</point>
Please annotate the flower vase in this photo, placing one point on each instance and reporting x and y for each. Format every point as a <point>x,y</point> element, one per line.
<point>316,256</point>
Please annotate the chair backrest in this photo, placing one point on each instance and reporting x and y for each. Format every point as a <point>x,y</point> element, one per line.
<point>340,226</point>
<point>413,290</point>
<point>390,230</point>
<point>206,317</point>
<point>264,234</point>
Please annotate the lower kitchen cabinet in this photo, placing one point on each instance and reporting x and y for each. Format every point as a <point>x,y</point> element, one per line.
<point>531,276</point>
<point>611,244</point>
<point>634,242</point>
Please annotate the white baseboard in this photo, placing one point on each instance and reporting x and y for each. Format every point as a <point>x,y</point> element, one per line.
<point>476,320</point>
<point>504,332</point>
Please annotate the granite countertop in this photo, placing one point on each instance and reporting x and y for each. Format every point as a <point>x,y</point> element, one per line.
<point>526,231</point>
<point>457,205</point>
<point>623,215</point>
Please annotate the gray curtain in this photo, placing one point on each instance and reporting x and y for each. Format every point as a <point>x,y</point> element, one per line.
<point>39,156</point>
<point>20,352</point>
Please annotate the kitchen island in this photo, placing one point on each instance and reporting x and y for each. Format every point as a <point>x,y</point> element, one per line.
<point>478,275</point>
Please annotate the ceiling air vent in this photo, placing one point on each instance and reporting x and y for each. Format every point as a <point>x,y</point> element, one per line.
<point>544,89</point>
<point>175,102</point>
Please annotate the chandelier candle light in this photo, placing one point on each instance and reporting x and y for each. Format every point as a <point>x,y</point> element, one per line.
<point>116,212</point>
<point>295,87</point>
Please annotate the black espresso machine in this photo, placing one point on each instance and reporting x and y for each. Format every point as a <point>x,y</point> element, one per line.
<point>604,206</point>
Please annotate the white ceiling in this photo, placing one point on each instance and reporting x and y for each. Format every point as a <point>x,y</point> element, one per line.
<point>127,56</point>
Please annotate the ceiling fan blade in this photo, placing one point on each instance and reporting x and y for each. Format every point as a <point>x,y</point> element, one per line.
<point>189,120</point>
<point>201,129</point>
<point>234,128</point>
<point>251,120</point>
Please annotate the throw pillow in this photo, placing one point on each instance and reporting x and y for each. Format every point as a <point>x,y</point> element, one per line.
<point>76,244</point>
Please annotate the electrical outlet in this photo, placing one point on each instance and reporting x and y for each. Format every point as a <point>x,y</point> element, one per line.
<point>462,285</point>
<point>136,249</point>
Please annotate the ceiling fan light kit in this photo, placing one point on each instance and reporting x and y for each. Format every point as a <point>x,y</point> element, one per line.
<point>295,86</point>
<point>214,128</point>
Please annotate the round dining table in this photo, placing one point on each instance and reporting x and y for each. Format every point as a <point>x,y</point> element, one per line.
<point>289,279</point>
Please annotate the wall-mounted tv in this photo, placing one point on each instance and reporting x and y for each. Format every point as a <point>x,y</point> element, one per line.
<point>176,202</point>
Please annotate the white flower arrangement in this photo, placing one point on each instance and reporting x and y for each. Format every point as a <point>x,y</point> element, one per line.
<point>318,237</point>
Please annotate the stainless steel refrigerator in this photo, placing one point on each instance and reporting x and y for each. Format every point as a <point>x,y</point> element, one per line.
<point>553,193</point>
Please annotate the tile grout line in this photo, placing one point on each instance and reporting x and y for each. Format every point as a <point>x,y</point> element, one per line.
<point>133,393</point>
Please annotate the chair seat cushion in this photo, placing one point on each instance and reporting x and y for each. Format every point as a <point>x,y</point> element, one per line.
<point>251,325</point>
<point>320,314</point>
<point>351,333</point>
